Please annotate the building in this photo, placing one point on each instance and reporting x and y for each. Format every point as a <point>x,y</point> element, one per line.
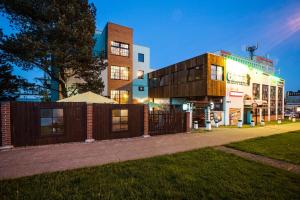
<point>127,64</point>
<point>232,87</point>
<point>253,92</point>
<point>292,103</point>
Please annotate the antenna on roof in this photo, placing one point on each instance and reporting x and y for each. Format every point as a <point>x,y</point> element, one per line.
<point>251,50</point>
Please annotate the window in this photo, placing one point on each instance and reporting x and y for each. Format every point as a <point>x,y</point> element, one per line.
<point>120,49</point>
<point>140,74</point>
<point>52,121</point>
<point>216,72</point>
<point>164,80</point>
<point>273,100</point>
<point>280,96</point>
<point>120,96</point>
<point>141,57</point>
<point>265,92</point>
<point>194,73</point>
<point>256,91</point>
<point>119,120</point>
<point>119,73</point>
<point>141,88</point>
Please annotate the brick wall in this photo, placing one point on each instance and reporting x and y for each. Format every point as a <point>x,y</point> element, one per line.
<point>5,124</point>
<point>188,121</point>
<point>89,123</point>
<point>146,122</point>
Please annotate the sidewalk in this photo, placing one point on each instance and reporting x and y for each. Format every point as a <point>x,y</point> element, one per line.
<point>49,158</point>
<point>262,159</point>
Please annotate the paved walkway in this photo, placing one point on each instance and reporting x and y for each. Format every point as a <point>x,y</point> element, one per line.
<point>262,159</point>
<point>20,162</point>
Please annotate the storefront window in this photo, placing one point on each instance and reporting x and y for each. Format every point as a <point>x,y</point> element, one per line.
<point>256,91</point>
<point>280,96</point>
<point>273,100</point>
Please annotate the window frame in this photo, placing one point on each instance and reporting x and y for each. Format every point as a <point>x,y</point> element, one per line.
<point>119,119</point>
<point>141,76</point>
<point>214,69</point>
<point>116,73</point>
<point>143,57</point>
<point>119,48</point>
<point>53,125</point>
<point>118,94</point>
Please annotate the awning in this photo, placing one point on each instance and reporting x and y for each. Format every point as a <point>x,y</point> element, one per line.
<point>88,97</point>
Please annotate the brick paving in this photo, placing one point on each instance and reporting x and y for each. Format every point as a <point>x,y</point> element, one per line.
<point>262,159</point>
<point>28,161</point>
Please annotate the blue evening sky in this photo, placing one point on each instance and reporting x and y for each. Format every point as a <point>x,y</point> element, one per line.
<point>179,29</point>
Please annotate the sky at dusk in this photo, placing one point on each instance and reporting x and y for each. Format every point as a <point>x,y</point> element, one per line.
<point>180,29</point>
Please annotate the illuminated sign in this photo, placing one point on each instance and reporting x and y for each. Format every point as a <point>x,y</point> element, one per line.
<point>238,79</point>
<point>236,94</point>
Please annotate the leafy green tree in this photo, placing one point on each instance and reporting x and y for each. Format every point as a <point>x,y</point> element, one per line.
<point>56,37</point>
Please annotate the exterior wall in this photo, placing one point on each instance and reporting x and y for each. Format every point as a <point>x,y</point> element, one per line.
<point>240,79</point>
<point>120,34</point>
<point>140,96</point>
<point>180,86</point>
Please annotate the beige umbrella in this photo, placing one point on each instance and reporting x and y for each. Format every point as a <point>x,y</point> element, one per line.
<point>88,97</point>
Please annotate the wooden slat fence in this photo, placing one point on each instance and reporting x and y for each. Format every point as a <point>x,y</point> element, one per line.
<point>103,124</point>
<point>167,122</point>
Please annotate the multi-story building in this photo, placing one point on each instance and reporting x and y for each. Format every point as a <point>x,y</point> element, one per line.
<point>125,78</point>
<point>238,88</point>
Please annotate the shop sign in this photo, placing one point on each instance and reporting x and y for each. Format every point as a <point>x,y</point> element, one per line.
<point>236,94</point>
<point>238,79</point>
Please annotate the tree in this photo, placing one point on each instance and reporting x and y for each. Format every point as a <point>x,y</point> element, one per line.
<point>10,85</point>
<point>56,37</point>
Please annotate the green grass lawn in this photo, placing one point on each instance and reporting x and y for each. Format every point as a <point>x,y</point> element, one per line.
<point>200,174</point>
<point>282,147</point>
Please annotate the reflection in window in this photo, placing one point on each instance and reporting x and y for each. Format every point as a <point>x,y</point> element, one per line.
<point>256,91</point>
<point>119,120</point>
<point>52,121</point>
<point>216,72</point>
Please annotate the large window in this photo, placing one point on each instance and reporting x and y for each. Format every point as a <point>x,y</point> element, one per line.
<point>119,120</point>
<point>52,121</point>
<point>120,96</point>
<point>119,73</point>
<point>280,96</point>
<point>265,92</point>
<point>141,57</point>
<point>273,100</point>
<point>256,91</point>
<point>217,73</point>
<point>119,48</point>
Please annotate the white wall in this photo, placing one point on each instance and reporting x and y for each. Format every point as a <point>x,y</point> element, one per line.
<point>239,72</point>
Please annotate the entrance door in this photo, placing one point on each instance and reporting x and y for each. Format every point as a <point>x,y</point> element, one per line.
<point>234,116</point>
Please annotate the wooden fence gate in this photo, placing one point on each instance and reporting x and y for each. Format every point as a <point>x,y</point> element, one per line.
<point>167,122</point>
<point>47,123</point>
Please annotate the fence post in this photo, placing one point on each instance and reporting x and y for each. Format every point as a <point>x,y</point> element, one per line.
<point>89,123</point>
<point>6,126</point>
<point>146,121</point>
<point>188,122</point>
